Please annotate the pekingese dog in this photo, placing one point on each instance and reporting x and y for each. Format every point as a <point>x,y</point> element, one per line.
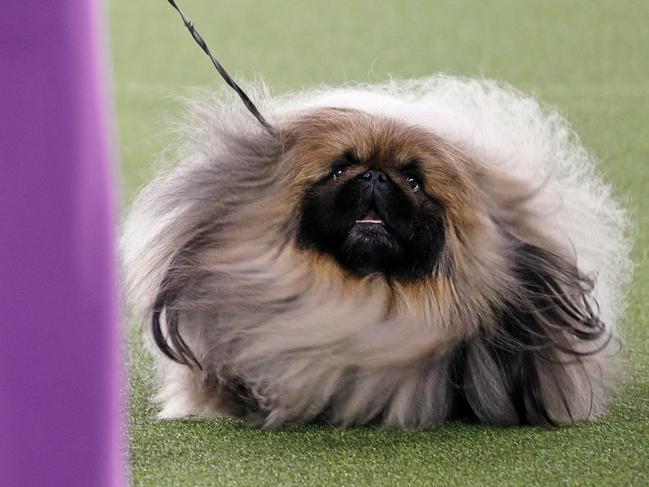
<point>399,255</point>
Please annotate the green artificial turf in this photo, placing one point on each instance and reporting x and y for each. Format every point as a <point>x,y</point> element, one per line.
<point>588,58</point>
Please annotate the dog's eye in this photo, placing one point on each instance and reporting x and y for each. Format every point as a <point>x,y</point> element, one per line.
<point>412,182</point>
<point>339,170</point>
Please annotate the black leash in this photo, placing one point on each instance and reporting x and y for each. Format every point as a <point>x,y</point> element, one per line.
<point>224,74</point>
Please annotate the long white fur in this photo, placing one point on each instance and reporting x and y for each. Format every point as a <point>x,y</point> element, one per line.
<point>489,121</point>
<point>497,124</point>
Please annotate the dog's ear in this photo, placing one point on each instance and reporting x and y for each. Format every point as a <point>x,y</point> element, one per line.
<point>165,315</point>
<point>539,361</point>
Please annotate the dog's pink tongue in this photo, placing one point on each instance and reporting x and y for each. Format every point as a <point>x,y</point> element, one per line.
<point>371,217</point>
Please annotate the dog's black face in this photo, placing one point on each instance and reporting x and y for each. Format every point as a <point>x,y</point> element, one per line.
<point>374,216</point>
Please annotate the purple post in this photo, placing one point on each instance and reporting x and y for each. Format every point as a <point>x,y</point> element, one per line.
<point>59,351</point>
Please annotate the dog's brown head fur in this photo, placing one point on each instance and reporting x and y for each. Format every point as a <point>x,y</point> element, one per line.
<point>378,199</point>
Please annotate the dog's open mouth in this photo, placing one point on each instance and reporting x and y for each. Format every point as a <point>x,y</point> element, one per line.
<point>371,218</point>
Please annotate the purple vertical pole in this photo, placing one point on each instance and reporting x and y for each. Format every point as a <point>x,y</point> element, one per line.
<point>59,350</point>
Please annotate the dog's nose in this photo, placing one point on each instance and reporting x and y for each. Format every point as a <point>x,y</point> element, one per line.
<point>374,175</point>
